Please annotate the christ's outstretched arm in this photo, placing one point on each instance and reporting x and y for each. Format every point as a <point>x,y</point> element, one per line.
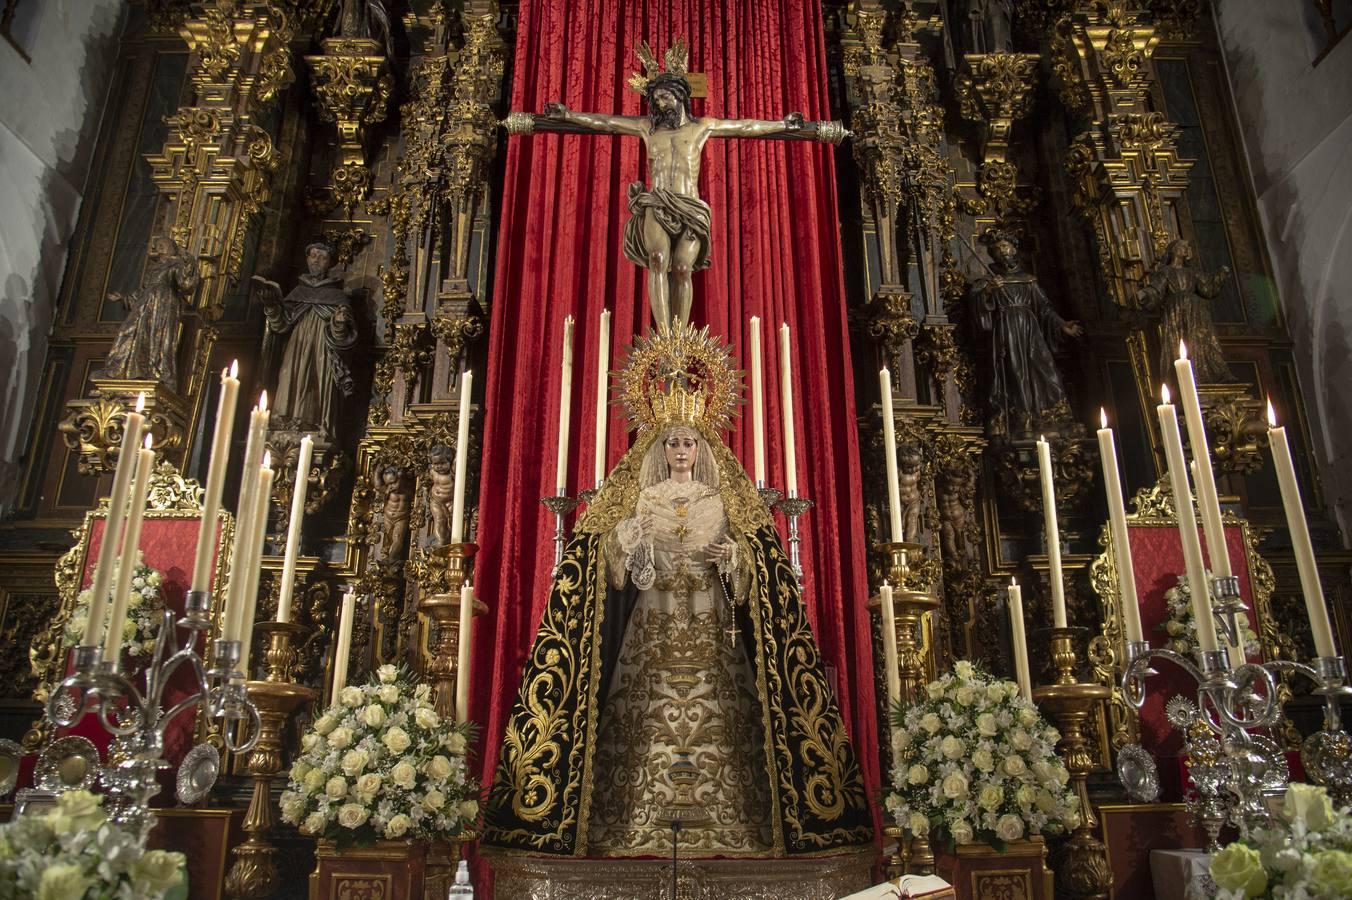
<point>558,117</point>
<point>790,128</point>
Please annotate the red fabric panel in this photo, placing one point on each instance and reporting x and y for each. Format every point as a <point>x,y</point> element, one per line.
<point>1157,557</point>
<point>168,546</point>
<point>775,254</point>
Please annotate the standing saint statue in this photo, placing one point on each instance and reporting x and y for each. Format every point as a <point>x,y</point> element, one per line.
<point>316,322</point>
<point>1182,297</point>
<point>668,229</point>
<point>675,675</point>
<point>1025,388</point>
<point>146,345</point>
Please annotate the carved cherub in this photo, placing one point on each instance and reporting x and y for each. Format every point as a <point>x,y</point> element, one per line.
<point>394,511</point>
<point>441,494</point>
<point>909,465</point>
<point>956,483</point>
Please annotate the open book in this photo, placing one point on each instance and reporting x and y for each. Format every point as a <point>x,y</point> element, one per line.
<point>930,887</point>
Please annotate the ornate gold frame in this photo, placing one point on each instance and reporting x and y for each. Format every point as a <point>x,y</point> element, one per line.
<point>1154,508</point>
<point>171,497</point>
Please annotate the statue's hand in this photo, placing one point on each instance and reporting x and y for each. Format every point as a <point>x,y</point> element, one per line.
<point>118,298</point>
<point>1072,329</point>
<point>718,552</point>
<point>794,121</point>
<point>556,110</point>
<point>1225,272</point>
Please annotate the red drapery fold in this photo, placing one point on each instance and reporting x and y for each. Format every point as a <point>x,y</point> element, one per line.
<point>775,254</point>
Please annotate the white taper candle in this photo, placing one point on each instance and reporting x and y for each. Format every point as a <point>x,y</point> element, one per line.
<point>461,459</point>
<point>565,408</point>
<point>217,463</point>
<point>1053,532</point>
<point>890,454</point>
<point>786,411</point>
<point>1301,545</point>
<point>602,395</point>
<point>757,402</point>
<point>131,542</point>
<point>298,492</point>
<point>1187,524</point>
<point>1117,529</point>
<point>112,525</point>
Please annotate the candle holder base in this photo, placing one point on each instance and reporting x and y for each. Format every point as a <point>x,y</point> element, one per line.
<point>560,506</point>
<point>792,507</point>
<point>443,613</point>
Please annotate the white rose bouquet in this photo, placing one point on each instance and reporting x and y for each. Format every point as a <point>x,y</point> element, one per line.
<point>977,762</point>
<point>75,852</point>
<point>1181,630</point>
<point>1306,854</point>
<point>381,764</point>
<point>145,612</point>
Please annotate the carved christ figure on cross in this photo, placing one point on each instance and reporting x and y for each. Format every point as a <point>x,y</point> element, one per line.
<point>668,229</point>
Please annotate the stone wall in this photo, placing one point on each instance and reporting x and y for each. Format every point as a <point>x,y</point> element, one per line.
<point>50,107</point>
<point>1296,119</point>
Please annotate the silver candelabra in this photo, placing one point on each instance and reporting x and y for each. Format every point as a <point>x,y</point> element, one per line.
<point>138,720</point>
<point>1235,769</point>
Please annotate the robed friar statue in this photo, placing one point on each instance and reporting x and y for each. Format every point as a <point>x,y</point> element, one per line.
<point>319,329</point>
<point>668,229</point>
<point>1026,391</point>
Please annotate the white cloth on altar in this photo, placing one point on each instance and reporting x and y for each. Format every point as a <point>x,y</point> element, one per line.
<point>1181,874</point>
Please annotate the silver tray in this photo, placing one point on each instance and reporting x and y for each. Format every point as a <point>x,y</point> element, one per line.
<point>1138,774</point>
<point>197,773</point>
<point>11,754</point>
<point>70,763</point>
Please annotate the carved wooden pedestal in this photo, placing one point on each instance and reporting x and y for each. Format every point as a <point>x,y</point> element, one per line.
<point>387,870</point>
<point>979,870</point>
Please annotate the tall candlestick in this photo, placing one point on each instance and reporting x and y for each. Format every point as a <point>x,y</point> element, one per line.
<point>890,452</point>
<point>890,648</point>
<point>298,492</point>
<point>253,568</point>
<point>343,645</point>
<point>131,542</point>
<point>1019,640</point>
<point>216,466</point>
<point>462,653</point>
<point>757,402</point>
<point>232,617</point>
<point>565,408</point>
<point>1301,545</point>
<point>786,411</point>
<point>1117,528</point>
<point>112,525</point>
<point>602,395</point>
<point>1044,465</point>
<point>1208,498</point>
<point>1187,524</point>
<point>461,459</point>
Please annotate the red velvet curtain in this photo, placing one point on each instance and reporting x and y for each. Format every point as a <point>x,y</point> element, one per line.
<point>775,254</point>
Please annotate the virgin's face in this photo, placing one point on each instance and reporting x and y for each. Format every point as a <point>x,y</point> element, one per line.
<point>681,450</point>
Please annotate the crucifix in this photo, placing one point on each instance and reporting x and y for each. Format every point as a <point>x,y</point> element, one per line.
<point>668,228</point>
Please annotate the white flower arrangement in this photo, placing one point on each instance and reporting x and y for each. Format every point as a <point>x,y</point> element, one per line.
<point>75,853</point>
<point>145,612</point>
<point>977,762</point>
<point>380,764</point>
<point>1180,629</point>
<point>1304,855</point>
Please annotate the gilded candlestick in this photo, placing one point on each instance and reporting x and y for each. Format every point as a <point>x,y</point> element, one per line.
<point>443,612</point>
<point>254,871</point>
<point>1084,871</point>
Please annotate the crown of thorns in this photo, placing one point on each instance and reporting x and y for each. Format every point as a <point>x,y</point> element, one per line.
<point>677,58</point>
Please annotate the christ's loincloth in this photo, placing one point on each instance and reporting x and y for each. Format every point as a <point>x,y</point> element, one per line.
<point>680,217</point>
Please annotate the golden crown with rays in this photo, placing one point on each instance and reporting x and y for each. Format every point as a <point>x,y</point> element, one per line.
<point>679,376</point>
<point>677,58</point>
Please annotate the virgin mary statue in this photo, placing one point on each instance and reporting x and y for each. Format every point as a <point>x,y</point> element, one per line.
<point>675,677</point>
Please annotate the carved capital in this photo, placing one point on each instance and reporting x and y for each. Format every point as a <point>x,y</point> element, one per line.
<point>352,90</point>
<point>456,330</point>
<point>93,426</point>
<point>1235,426</point>
<point>891,323</point>
<point>1073,467</point>
<point>997,88</point>
<point>937,350</point>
